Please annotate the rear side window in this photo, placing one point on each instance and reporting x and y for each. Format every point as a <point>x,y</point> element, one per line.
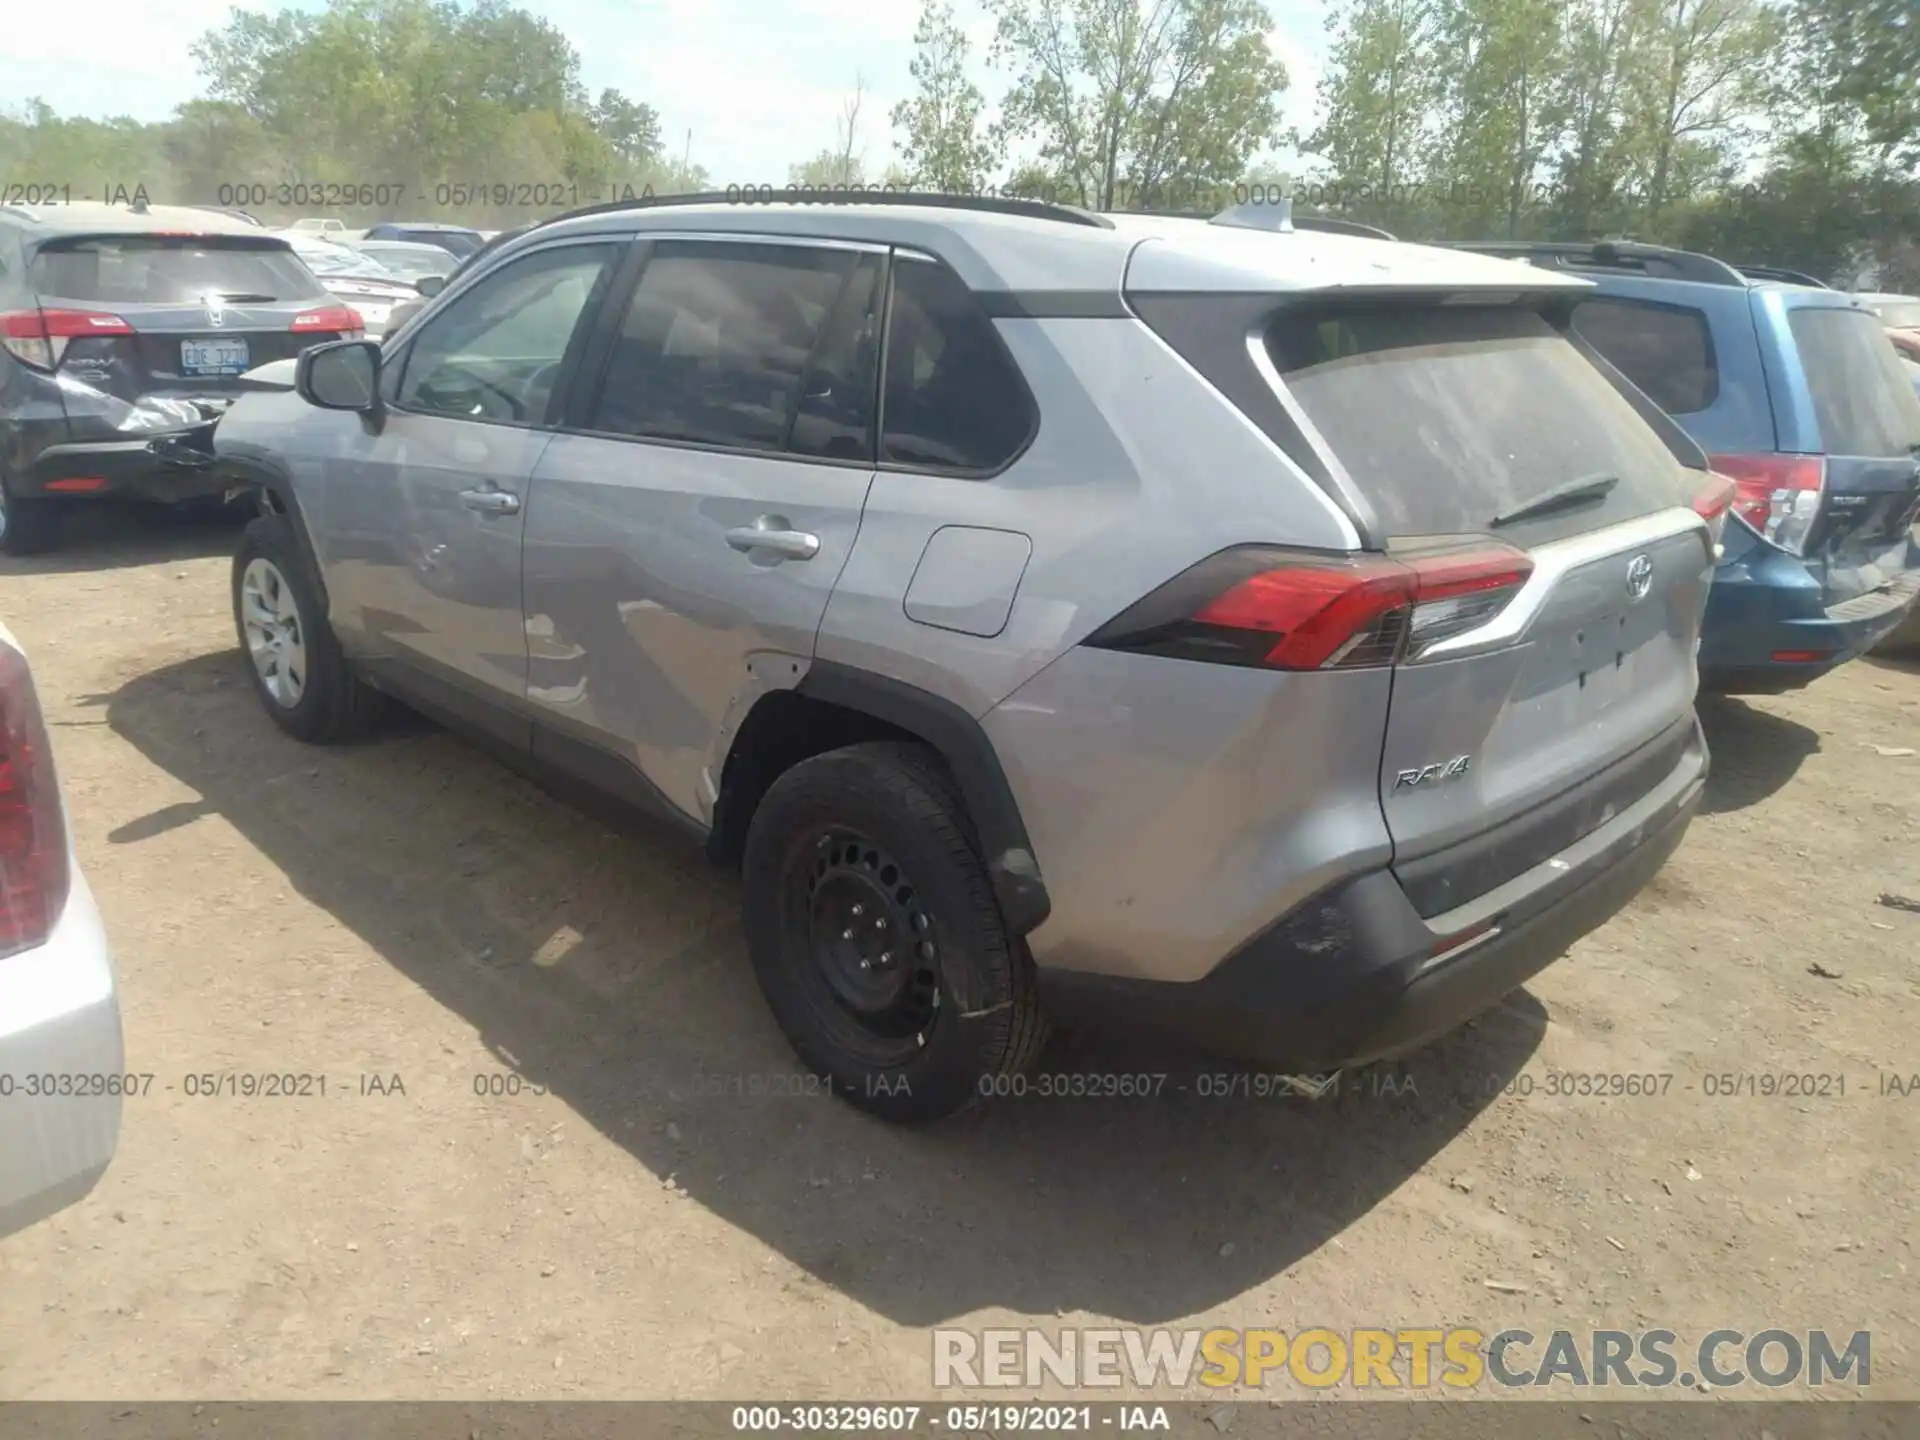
<point>1666,350</point>
<point>1862,399</point>
<point>170,270</point>
<point>953,399</point>
<point>1446,416</point>
<point>719,342</point>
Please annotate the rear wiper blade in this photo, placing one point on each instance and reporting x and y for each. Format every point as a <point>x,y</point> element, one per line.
<point>247,297</point>
<point>1568,492</point>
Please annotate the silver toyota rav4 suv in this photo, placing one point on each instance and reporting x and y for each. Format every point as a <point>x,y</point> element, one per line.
<point>1275,640</point>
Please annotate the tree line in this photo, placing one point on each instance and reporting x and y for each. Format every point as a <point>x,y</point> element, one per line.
<point>1777,131</point>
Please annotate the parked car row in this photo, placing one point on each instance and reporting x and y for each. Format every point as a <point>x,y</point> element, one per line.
<point>1273,639</point>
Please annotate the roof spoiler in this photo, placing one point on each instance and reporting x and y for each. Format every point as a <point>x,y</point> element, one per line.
<point>1277,216</point>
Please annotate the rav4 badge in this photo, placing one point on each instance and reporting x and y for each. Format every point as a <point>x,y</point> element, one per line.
<point>1435,774</point>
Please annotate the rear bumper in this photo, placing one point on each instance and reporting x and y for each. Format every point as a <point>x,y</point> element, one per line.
<point>1769,605</point>
<point>166,468</point>
<point>1351,976</point>
<point>59,1032</point>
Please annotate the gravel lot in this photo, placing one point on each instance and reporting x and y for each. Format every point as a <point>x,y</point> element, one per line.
<point>410,910</point>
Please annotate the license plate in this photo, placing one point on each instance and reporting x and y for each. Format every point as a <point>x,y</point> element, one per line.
<point>213,357</point>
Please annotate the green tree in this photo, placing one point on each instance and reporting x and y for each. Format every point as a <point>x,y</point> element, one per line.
<point>844,164</point>
<point>1504,110</point>
<point>1137,103</point>
<point>631,130</point>
<point>1704,68</point>
<point>943,146</point>
<point>1605,40</point>
<point>1376,100</point>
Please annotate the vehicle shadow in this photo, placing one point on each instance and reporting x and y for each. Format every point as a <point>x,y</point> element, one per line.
<point>607,964</point>
<point>113,535</point>
<point>1754,752</point>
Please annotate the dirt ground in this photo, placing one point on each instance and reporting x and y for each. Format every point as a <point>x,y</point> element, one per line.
<point>627,1225</point>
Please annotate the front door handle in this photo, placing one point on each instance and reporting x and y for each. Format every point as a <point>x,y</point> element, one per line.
<point>774,535</point>
<point>491,501</point>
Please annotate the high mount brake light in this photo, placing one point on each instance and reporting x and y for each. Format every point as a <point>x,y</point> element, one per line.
<point>39,337</point>
<point>1778,495</point>
<point>1291,610</point>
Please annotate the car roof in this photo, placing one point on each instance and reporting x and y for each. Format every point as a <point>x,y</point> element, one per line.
<point>423,225</point>
<point>1884,297</point>
<point>418,247</point>
<point>95,218</point>
<point>1022,248</point>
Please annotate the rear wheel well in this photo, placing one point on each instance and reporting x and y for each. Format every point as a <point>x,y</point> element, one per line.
<point>783,728</point>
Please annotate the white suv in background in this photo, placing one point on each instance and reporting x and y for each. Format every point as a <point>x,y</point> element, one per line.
<point>60,1053</point>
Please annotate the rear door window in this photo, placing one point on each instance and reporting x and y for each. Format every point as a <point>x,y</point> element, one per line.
<point>1448,415</point>
<point>720,346</point>
<point>1666,350</point>
<point>1862,399</point>
<point>954,401</point>
<point>170,270</point>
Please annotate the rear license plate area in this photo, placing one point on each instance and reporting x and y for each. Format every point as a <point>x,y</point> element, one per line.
<point>1603,656</point>
<point>213,357</point>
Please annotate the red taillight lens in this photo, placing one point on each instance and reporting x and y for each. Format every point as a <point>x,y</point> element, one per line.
<point>1713,501</point>
<point>33,829</point>
<point>336,318</point>
<point>1778,495</point>
<point>1284,610</point>
<point>39,337</point>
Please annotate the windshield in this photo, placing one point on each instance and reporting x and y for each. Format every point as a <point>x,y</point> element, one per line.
<point>413,264</point>
<point>324,259</point>
<point>169,270</point>
<point>1446,416</point>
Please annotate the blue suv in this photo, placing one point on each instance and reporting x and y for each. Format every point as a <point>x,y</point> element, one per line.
<point>1795,393</point>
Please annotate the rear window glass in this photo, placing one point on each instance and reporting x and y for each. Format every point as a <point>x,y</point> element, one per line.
<point>1862,399</point>
<point>1666,350</point>
<point>1446,416</point>
<point>169,270</point>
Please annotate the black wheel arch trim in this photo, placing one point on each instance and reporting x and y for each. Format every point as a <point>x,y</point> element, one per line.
<point>969,754</point>
<point>273,482</point>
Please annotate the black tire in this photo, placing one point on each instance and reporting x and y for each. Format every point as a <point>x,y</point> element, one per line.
<point>29,526</point>
<point>333,704</point>
<point>882,819</point>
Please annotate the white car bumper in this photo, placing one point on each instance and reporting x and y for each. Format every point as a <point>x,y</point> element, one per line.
<point>61,1065</point>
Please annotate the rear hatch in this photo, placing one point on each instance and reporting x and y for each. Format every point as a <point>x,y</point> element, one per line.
<point>1844,491</point>
<point>1549,684</point>
<point>131,320</point>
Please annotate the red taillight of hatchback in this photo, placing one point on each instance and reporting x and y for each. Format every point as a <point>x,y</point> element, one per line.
<point>34,877</point>
<point>1262,606</point>
<point>339,319</point>
<point>1778,495</point>
<point>39,337</point>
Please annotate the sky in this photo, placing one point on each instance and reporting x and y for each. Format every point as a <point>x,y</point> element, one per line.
<point>758,84</point>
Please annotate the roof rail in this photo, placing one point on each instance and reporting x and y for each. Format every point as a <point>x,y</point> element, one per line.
<point>805,195</point>
<point>1632,255</point>
<point>1774,272</point>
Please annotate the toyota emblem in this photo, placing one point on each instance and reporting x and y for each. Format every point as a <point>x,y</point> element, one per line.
<point>1639,577</point>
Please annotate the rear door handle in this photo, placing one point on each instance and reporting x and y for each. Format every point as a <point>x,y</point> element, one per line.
<point>774,535</point>
<point>491,501</point>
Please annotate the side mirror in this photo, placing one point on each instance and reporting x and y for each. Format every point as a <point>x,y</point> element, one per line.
<point>344,375</point>
<point>430,285</point>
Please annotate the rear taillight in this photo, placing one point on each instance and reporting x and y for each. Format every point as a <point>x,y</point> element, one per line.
<point>33,830</point>
<point>39,337</point>
<point>1287,610</point>
<point>336,319</point>
<point>1778,495</point>
<point>1712,502</point>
